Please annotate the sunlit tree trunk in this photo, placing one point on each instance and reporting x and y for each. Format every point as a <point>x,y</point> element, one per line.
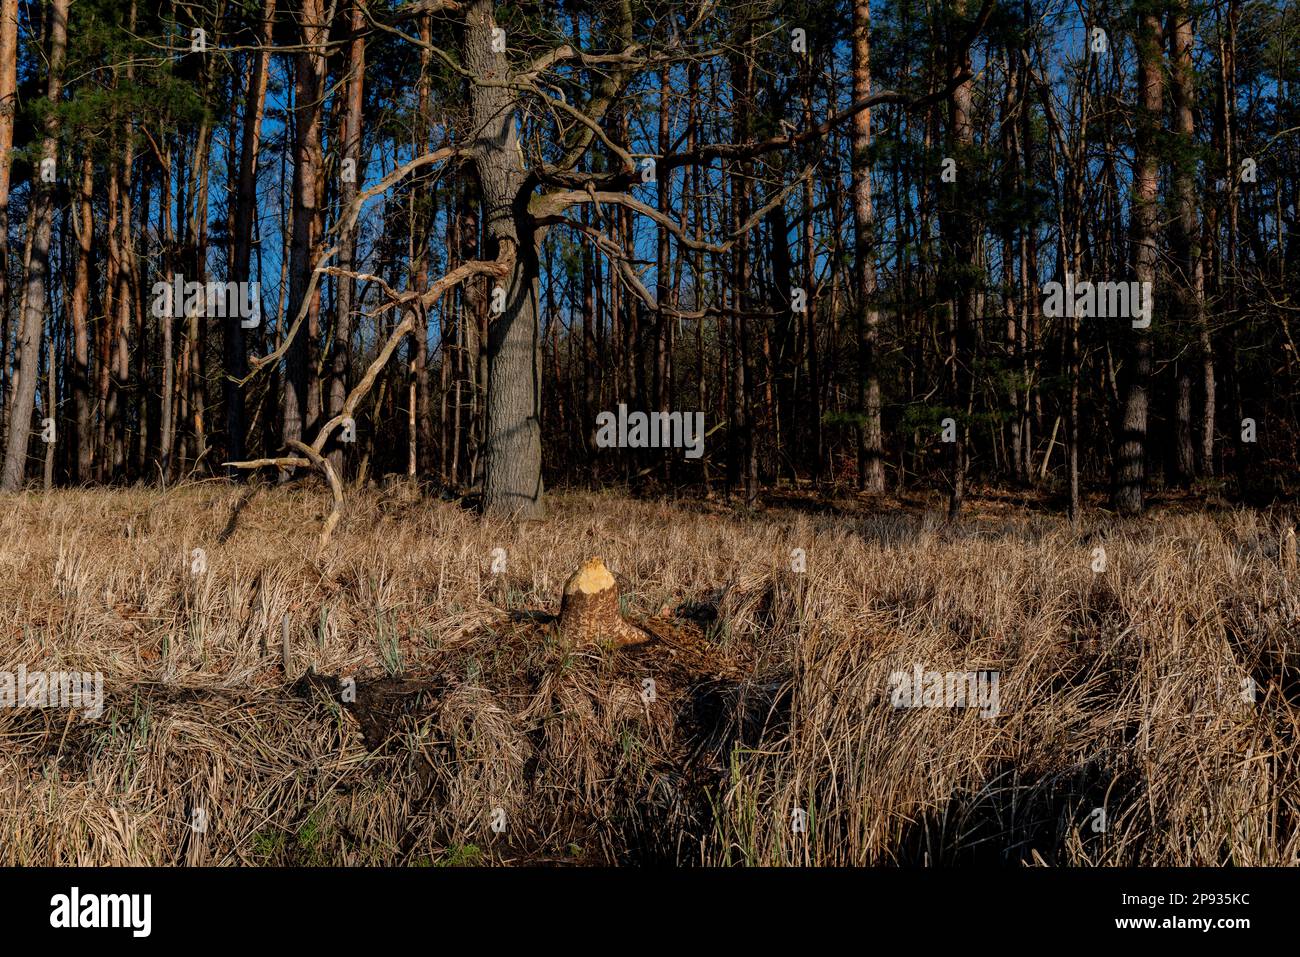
<point>80,310</point>
<point>8,110</point>
<point>512,480</point>
<point>33,311</point>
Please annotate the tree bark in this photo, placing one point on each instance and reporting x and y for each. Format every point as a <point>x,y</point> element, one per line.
<point>1187,246</point>
<point>80,321</point>
<point>8,109</point>
<point>33,312</point>
<point>235,351</point>
<point>166,410</point>
<point>307,109</point>
<point>351,150</point>
<point>663,286</point>
<point>421,424</point>
<point>959,243</point>
<point>871,464</point>
<point>1131,465</point>
<point>512,478</point>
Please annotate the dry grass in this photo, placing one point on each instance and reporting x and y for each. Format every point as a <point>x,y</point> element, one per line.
<point>1118,690</point>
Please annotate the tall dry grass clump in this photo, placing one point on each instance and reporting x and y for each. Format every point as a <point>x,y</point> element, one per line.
<point>429,711</point>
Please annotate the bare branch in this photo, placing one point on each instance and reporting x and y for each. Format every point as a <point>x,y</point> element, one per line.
<point>345,223</point>
<point>552,206</point>
<point>498,267</point>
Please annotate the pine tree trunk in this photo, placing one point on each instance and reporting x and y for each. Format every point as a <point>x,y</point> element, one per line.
<point>80,321</point>
<point>33,312</point>
<point>350,151</point>
<point>1131,465</point>
<point>1187,246</point>
<point>872,477</point>
<point>959,243</point>
<point>8,110</point>
<point>307,110</point>
<point>166,412</point>
<point>235,352</point>
<point>663,289</point>
<point>421,421</point>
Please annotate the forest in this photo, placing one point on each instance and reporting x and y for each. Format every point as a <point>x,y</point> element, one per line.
<point>673,432</point>
<point>439,239</point>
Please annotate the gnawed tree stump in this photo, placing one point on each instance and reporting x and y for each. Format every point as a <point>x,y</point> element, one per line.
<point>589,611</point>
